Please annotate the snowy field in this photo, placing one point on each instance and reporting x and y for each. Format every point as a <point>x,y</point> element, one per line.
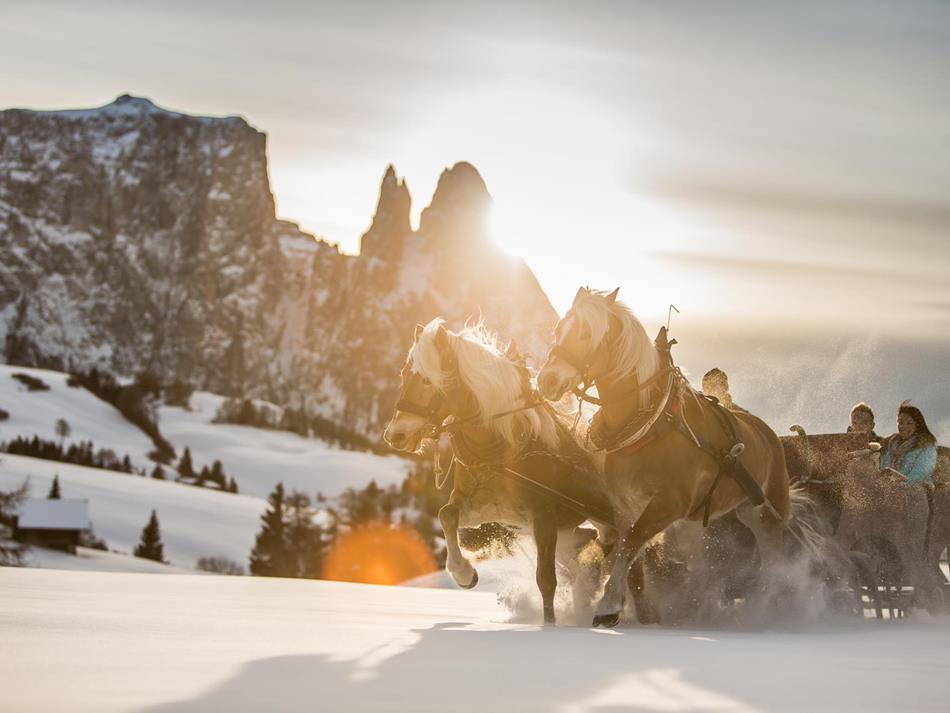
<point>195,522</point>
<point>83,641</point>
<point>34,413</point>
<point>259,458</point>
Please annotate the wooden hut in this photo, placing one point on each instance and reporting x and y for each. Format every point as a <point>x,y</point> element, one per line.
<point>56,524</point>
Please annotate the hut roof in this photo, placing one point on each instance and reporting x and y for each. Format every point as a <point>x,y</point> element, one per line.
<point>54,515</point>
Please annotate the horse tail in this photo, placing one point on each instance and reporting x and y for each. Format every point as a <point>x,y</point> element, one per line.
<point>806,526</point>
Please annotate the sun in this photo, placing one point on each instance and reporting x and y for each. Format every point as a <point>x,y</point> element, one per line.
<point>558,167</point>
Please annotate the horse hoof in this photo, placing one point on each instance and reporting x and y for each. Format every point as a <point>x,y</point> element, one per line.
<point>606,621</point>
<point>474,581</point>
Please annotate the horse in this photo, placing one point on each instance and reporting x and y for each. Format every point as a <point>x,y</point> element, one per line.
<point>667,447</point>
<point>516,463</point>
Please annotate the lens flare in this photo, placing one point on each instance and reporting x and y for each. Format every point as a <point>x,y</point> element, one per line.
<point>378,554</point>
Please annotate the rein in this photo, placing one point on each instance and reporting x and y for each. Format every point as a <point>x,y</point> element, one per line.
<point>534,400</point>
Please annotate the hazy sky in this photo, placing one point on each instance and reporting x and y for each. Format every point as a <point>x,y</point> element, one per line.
<point>784,163</point>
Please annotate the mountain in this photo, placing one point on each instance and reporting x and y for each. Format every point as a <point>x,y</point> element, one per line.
<point>133,238</point>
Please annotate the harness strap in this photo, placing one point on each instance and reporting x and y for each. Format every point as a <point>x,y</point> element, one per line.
<point>534,400</point>
<point>591,512</point>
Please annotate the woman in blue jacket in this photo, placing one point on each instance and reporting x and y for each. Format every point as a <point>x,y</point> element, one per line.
<point>912,451</point>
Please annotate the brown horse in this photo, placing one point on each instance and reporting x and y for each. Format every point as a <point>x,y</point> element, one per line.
<point>516,462</point>
<point>667,447</point>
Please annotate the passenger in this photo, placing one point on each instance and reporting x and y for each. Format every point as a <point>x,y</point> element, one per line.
<point>862,421</point>
<point>716,383</point>
<point>912,451</point>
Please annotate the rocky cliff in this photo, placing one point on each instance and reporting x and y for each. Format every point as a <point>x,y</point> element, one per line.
<point>134,238</point>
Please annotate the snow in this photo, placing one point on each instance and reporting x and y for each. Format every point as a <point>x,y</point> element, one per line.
<point>124,106</point>
<point>195,522</point>
<point>257,458</point>
<point>98,561</point>
<point>260,458</point>
<point>89,418</point>
<point>93,641</point>
<point>60,514</point>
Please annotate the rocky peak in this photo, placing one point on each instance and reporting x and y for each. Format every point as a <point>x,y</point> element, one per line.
<point>387,234</point>
<point>135,238</point>
<point>460,205</point>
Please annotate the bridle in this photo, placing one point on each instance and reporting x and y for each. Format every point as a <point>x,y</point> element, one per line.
<point>429,411</point>
<point>582,366</point>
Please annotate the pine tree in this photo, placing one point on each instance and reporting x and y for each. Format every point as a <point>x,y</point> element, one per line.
<point>304,537</point>
<point>11,552</point>
<point>54,493</point>
<point>270,556</point>
<point>232,486</point>
<point>217,474</point>
<point>185,468</point>
<point>158,473</point>
<point>62,430</point>
<point>150,545</point>
<point>126,465</point>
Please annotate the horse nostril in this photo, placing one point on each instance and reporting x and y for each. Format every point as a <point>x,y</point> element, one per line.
<point>548,383</point>
<point>398,439</point>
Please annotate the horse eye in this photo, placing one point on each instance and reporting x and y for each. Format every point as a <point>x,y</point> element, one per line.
<point>425,381</point>
<point>585,333</point>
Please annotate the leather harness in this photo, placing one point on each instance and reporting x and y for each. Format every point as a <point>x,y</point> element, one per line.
<point>656,421</point>
<point>471,454</point>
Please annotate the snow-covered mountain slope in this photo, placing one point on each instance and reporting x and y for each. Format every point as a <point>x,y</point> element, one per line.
<point>135,238</point>
<point>35,413</point>
<point>259,459</point>
<point>81,641</point>
<point>195,522</point>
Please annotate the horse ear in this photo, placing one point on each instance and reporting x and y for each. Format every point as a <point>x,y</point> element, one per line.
<point>417,333</point>
<point>441,337</point>
<point>612,297</point>
<point>580,291</point>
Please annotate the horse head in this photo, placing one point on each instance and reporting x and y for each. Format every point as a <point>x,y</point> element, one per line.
<point>428,389</point>
<point>580,351</point>
<point>466,375</point>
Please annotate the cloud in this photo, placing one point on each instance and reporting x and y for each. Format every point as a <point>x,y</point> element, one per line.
<point>929,215</point>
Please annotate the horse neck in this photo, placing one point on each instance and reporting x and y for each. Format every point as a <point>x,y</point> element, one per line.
<point>621,397</point>
<point>463,405</point>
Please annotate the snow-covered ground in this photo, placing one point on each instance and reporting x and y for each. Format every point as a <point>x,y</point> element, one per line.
<point>257,458</point>
<point>195,522</point>
<point>83,641</point>
<point>260,458</point>
<point>99,561</point>
<point>35,413</point>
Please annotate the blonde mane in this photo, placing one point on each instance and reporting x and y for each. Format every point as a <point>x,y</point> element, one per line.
<point>496,383</point>
<point>633,350</point>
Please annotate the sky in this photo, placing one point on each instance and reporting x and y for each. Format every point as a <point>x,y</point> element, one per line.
<point>771,168</point>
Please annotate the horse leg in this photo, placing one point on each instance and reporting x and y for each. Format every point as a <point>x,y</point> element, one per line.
<point>458,566</point>
<point>768,530</point>
<point>582,557</point>
<point>545,538</point>
<point>650,523</point>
